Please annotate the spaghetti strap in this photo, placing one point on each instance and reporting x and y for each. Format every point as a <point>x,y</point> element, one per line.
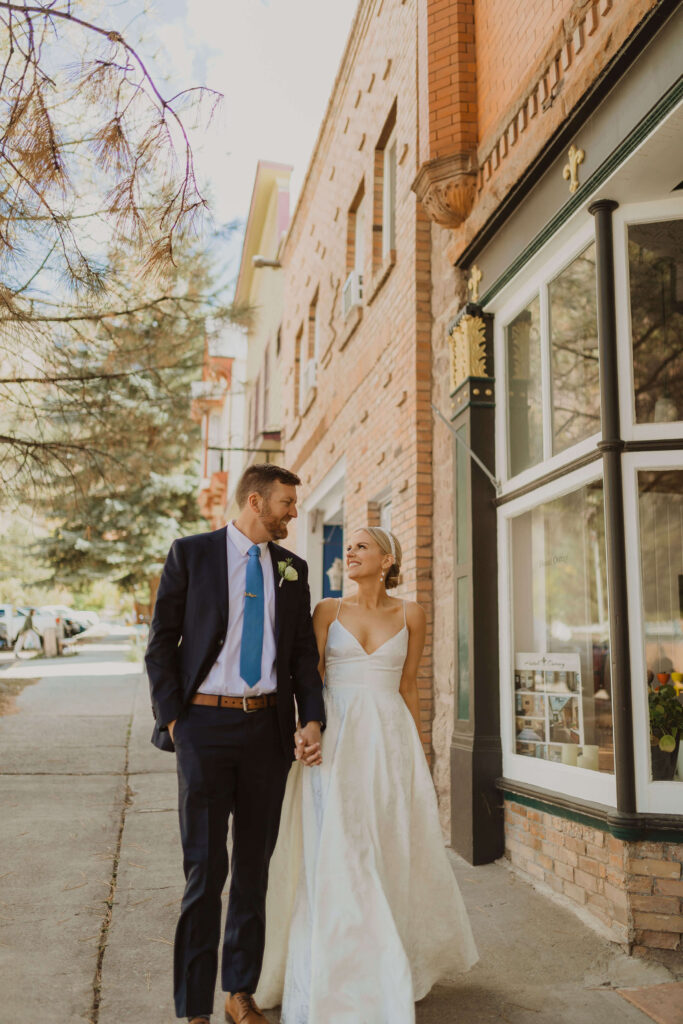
<point>405,622</point>
<point>338,608</point>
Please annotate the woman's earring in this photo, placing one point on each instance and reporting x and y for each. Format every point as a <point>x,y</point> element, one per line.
<point>381,575</point>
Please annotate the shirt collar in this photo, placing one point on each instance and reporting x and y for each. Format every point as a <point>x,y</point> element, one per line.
<point>243,543</point>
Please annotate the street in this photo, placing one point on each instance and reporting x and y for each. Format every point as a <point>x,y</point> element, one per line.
<point>91,877</point>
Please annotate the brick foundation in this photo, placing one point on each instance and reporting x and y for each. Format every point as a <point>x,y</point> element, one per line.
<point>635,889</point>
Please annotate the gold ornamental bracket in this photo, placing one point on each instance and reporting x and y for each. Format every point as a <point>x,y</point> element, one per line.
<point>467,342</point>
<point>570,171</point>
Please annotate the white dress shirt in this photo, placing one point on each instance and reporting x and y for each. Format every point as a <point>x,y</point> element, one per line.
<point>224,676</point>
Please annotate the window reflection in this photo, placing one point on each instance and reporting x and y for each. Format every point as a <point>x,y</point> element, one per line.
<point>655,257</point>
<point>574,347</point>
<point>523,345</point>
<point>660,501</point>
<point>563,708</point>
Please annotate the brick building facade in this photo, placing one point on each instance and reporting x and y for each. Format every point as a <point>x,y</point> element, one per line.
<point>446,249</point>
<point>356,321</point>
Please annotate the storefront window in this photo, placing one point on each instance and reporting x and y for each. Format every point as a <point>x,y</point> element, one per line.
<point>525,398</point>
<point>655,262</point>
<point>660,501</point>
<point>574,352</point>
<point>563,707</point>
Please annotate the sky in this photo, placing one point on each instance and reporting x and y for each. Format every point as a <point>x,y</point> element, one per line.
<point>275,62</point>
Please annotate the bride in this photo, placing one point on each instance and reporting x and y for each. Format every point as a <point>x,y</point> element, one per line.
<point>363,912</point>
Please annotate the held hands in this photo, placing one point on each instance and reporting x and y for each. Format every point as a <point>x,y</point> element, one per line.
<point>307,746</point>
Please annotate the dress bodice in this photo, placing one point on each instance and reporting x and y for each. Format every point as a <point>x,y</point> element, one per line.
<point>348,664</point>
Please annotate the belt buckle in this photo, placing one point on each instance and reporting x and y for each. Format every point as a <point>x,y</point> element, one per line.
<point>248,711</point>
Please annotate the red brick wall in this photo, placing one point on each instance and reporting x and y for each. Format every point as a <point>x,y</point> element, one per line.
<point>634,889</point>
<point>512,42</point>
<point>452,77</point>
<point>532,62</point>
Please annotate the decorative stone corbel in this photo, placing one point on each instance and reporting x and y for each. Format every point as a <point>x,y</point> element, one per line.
<point>447,187</point>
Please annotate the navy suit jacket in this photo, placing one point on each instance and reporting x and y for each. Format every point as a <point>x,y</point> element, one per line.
<point>189,627</point>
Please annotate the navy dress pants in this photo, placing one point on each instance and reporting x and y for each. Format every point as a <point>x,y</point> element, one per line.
<point>230,762</point>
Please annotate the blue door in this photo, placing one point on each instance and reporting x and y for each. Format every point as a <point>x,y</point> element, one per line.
<point>333,560</point>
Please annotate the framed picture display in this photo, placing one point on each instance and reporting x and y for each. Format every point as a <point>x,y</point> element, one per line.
<point>549,709</point>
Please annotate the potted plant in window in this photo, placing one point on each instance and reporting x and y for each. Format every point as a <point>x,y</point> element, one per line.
<point>666,725</point>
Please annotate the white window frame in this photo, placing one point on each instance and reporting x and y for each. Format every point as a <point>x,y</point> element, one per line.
<point>581,783</point>
<point>385,514</point>
<point>651,797</point>
<point>359,215</point>
<point>266,386</point>
<point>389,170</point>
<point>636,213</point>
<point>534,281</point>
<point>316,331</point>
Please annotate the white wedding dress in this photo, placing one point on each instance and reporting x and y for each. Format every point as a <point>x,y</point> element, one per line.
<point>363,912</point>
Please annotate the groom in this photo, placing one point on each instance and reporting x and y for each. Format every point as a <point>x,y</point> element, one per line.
<point>230,646</point>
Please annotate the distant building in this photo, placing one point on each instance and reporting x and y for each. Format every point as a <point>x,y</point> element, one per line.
<point>216,404</point>
<point>239,399</point>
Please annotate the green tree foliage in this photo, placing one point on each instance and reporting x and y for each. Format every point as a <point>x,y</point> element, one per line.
<point>129,482</point>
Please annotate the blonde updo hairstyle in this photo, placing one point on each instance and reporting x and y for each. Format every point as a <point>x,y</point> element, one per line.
<point>384,540</point>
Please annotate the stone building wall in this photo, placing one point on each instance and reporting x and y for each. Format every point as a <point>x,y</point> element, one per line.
<point>635,890</point>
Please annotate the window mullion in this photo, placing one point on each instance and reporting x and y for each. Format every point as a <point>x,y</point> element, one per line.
<point>546,373</point>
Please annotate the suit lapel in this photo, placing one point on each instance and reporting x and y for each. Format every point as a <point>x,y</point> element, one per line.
<point>219,570</point>
<point>275,555</point>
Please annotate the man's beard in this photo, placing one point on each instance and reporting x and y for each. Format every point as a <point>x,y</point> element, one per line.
<point>276,527</point>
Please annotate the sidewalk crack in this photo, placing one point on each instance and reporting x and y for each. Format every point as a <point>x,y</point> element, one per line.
<point>109,902</point>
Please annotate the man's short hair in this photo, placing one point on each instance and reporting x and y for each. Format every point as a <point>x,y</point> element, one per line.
<point>260,478</point>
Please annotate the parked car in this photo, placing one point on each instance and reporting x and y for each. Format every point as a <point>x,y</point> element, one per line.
<point>89,618</point>
<point>43,621</point>
<point>10,624</point>
<point>74,621</point>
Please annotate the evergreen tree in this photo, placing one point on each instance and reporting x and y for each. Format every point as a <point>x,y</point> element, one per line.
<point>116,514</point>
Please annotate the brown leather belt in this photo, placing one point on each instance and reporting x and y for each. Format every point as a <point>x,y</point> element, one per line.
<point>248,704</point>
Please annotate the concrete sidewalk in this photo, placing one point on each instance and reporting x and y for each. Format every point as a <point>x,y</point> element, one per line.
<point>91,880</point>
<point>538,963</point>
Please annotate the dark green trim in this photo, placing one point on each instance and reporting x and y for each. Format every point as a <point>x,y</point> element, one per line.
<point>644,127</point>
<point>631,834</point>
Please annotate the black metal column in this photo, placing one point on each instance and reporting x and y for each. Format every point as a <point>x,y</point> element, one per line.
<point>612,446</point>
<point>476,754</point>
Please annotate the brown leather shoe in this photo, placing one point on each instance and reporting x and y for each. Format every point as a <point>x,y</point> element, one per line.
<point>240,1008</point>
<point>200,1020</point>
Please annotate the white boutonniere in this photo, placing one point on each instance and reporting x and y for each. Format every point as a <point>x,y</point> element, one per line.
<point>287,571</point>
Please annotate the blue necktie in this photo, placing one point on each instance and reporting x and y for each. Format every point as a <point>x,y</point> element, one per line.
<point>252,626</point>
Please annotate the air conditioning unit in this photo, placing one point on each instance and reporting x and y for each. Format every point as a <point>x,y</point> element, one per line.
<point>352,295</point>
